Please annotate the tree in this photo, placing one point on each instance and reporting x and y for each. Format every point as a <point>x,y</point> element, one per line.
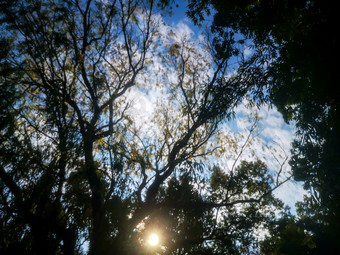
<point>77,162</point>
<point>298,46</point>
<point>287,236</point>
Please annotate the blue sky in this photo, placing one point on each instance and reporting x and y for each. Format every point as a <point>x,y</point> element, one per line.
<point>274,134</point>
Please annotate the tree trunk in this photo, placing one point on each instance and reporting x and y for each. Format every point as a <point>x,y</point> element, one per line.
<point>99,234</point>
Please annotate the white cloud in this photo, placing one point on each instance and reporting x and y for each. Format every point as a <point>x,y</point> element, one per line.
<point>275,136</point>
<point>183,29</point>
<point>247,51</point>
<point>290,192</point>
<point>274,145</point>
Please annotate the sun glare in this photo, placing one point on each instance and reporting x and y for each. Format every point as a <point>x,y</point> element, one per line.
<point>153,239</point>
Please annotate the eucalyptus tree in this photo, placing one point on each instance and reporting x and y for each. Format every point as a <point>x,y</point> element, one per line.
<point>80,165</point>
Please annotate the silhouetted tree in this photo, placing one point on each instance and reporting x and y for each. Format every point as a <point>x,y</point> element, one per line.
<point>298,46</point>
<point>77,162</point>
<point>287,236</point>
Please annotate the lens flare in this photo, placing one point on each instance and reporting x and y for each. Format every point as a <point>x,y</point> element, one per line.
<point>153,239</point>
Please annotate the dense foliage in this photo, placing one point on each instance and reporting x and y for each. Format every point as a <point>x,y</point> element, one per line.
<point>81,167</point>
<point>298,44</point>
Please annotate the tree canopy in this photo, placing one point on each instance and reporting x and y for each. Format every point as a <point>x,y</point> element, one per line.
<point>298,45</point>
<point>81,165</point>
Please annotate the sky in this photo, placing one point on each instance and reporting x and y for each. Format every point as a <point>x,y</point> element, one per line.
<point>274,136</point>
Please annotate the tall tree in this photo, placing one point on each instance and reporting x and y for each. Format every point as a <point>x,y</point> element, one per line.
<point>78,163</point>
<point>299,48</point>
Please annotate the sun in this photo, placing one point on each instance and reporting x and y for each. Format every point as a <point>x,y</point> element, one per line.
<point>153,239</point>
